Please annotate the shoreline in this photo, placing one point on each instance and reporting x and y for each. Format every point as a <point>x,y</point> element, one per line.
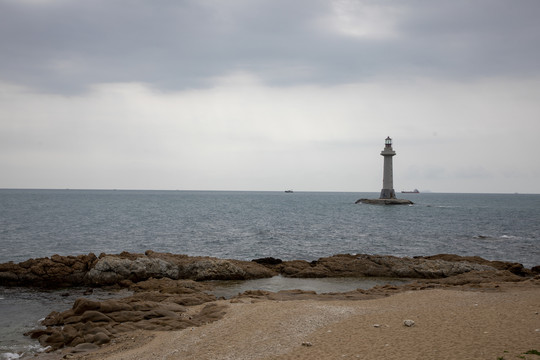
<point>499,321</point>
<point>170,296</point>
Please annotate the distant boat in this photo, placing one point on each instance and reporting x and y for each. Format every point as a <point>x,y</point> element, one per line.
<point>415,191</point>
<point>288,191</point>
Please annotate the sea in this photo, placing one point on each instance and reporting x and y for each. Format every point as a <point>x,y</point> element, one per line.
<point>248,225</point>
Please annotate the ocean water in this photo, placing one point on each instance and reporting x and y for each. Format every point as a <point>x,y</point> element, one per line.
<point>248,225</point>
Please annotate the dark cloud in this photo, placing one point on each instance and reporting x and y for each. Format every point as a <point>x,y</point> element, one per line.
<point>478,38</point>
<point>66,46</point>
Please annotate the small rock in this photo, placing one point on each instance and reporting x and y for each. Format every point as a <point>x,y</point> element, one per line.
<point>408,323</point>
<point>307,343</point>
<point>376,325</point>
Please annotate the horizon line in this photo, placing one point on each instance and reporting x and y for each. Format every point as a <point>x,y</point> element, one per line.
<point>238,190</point>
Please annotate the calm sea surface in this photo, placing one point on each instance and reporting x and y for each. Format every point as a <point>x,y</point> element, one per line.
<point>248,225</point>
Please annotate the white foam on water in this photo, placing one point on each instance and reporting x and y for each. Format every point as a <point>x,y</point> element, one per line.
<point>9,356</point>
<point>508,237</point>
<point>18,351</point>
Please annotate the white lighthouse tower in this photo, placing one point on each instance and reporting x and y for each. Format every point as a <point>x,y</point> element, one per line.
<point>387,191</point>
<point>388,195</point>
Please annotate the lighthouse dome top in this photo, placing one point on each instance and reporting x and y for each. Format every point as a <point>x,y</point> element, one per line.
<point>388,141</point>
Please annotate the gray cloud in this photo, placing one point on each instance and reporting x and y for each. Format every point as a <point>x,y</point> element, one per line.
<point>64,46</point>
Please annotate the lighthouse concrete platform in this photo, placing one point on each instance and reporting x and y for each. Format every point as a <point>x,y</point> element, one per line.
<point>384,201</point>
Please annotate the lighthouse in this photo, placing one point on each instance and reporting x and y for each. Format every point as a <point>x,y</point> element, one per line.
<point>388,195</point>
<point>387,191</point>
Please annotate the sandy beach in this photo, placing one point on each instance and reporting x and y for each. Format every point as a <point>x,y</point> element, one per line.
<point>499,322</point>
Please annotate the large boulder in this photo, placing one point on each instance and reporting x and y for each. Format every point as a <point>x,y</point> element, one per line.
<point>212,269</point>
<point>209,268</point>
<point>112,269</point>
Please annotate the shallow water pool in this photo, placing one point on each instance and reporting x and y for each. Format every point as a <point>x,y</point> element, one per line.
<point>229,288</point>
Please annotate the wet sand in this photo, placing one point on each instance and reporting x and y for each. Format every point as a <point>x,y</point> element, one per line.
<point>499,322</point>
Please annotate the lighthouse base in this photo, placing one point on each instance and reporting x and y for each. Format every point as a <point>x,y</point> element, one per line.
<point>387,194</point>
<point>384,201</point>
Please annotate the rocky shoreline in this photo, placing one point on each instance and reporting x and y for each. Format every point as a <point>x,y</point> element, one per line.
<point>127,268</point>
<point>170,292</point>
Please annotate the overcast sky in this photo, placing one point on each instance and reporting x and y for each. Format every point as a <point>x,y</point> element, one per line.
<point>270,94</point>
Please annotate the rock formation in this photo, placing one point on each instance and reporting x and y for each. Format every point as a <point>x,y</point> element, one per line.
<point>58,271</point>
<point>89,270</point>
<point>439,266</point>
<point>112,269</point>
<point>156,305</point>
<point>168,292</point>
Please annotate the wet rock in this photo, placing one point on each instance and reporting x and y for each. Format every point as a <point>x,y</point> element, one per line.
<point>57,271</point>
<point>127,269</point>
<point>268,261</point>
<point>515,268</point>
<point>97,322</point>
<point>480,277</point>
<point>378,266</point>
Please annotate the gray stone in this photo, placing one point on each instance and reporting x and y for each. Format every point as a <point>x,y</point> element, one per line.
<point>408,323</point>
<point>212,269</point>
<point>112,269</point>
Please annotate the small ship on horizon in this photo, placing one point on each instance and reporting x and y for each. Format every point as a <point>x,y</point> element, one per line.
<point>415,191</point>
